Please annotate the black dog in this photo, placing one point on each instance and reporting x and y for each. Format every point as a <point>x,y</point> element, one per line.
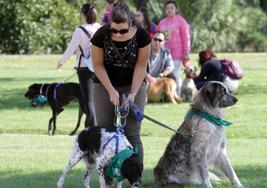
<point>58,95</point>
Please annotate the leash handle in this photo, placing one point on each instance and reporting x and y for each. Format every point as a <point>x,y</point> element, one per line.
<point>121,113</point>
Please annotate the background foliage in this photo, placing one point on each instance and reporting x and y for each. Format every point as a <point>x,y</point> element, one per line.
<point>45,26</point>
<point>226,25</point>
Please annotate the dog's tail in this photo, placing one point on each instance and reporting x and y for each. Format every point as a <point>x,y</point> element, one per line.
<point>80,99</point>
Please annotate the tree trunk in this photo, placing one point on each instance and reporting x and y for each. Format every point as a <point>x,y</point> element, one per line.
<point>263,4</point>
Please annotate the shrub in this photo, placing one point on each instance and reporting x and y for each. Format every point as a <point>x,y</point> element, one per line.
<point>36,26</point>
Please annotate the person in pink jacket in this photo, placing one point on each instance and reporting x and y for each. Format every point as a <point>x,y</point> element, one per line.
<point>176,29</point>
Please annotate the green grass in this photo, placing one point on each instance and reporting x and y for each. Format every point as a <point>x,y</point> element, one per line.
<point>29,158</point>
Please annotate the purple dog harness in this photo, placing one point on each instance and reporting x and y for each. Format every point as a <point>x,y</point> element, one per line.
<point>54,91</point>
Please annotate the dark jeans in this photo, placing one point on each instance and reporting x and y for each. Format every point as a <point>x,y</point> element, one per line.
<point>85,80</point>
<point>172,76</point>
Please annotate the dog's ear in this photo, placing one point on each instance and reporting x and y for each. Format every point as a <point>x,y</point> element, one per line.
<point>132,169</point>
<point>210,93</point>
<point>216,94</point>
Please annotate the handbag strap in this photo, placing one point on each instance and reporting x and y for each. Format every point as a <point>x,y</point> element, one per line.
<point>89,36</point>
<point>120,55</point>
<point>116,50</point>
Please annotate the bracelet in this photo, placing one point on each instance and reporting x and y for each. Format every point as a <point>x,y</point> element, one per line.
<point>132,93</point>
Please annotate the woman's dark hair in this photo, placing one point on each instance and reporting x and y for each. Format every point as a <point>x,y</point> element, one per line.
<point>160,32</point>
<point>110,1</point>
<point>175,4</point>
<point>205,56</point>
<point>170,2</point>
<point>121,13</point>
<point>146,18</point>
<point>89,13</point>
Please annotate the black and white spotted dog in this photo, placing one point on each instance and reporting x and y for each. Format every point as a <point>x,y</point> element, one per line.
<point>199,142</point>
<point>97,146</point>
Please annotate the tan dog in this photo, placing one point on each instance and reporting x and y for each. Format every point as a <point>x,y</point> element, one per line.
<point>164,89</point>
<point>189,90</point>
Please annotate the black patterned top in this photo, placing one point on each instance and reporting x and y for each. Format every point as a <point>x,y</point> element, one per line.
<point>120,69</point>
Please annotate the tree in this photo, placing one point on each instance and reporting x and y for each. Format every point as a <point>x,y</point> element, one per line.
<point>222,25</point>
<point>140,3</point>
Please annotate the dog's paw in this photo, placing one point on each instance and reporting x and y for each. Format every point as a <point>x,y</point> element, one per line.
<point>50,132</point>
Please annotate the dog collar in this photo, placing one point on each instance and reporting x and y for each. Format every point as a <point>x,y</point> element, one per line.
<point>114,167</point>
<point>214,120</point>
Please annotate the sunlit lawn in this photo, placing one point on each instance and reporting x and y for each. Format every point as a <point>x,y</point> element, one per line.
<point>29,158</point>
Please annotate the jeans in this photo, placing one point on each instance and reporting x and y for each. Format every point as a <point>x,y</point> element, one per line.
<point>176,73</point>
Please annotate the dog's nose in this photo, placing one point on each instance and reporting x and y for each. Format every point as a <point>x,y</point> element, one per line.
<point>135,184</point>
<point>235,99</point>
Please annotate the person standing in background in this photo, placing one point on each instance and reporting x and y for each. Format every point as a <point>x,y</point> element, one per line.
<point>80,45</point>
<point>142,20</point>
<point>107,11</point>
<point>177,34</point>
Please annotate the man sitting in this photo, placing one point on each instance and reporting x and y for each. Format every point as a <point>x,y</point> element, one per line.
<point>160,63</point>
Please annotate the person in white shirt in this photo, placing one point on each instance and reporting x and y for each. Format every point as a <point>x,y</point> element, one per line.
<point>80,45</point>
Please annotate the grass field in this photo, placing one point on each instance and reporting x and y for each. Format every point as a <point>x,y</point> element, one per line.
<point>29,158</point>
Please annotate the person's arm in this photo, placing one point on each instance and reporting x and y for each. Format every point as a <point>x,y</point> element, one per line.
<point>149,78</point>
<point>139,71</point>
<point>185,35</point>
<point>168,64</point>
<point>74,43</point>
<point>101,73</point>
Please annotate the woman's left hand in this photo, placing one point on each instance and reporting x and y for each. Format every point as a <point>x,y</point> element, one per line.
<point>59,65</point>
<point>130,98</point>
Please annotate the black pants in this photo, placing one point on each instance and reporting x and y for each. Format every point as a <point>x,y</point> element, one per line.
<point>85,80</point>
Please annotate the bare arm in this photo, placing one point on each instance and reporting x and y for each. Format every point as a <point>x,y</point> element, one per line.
<point>101,73</point>
<point>139,71</point>
<point>73,45</point>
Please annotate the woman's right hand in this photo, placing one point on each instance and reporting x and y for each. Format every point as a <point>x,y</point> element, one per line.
<point>114,97</point>
<point>59,65</point>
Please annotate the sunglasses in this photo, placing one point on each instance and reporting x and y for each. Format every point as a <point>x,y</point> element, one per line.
<point>156,39</point>
<point>122,31</point>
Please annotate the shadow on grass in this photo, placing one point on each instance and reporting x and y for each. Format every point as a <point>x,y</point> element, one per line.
<point>250,176</point>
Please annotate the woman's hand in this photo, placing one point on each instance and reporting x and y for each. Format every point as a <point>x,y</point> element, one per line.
<point>114,97</point>
<point>130,98</point>
<point>59,65</point>
<point>150,79</point>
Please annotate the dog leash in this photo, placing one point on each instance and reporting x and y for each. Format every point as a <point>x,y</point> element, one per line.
<point>69,77</point>
<point>121,113</point>
<point>159,123</point>
<point>139,116</point>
